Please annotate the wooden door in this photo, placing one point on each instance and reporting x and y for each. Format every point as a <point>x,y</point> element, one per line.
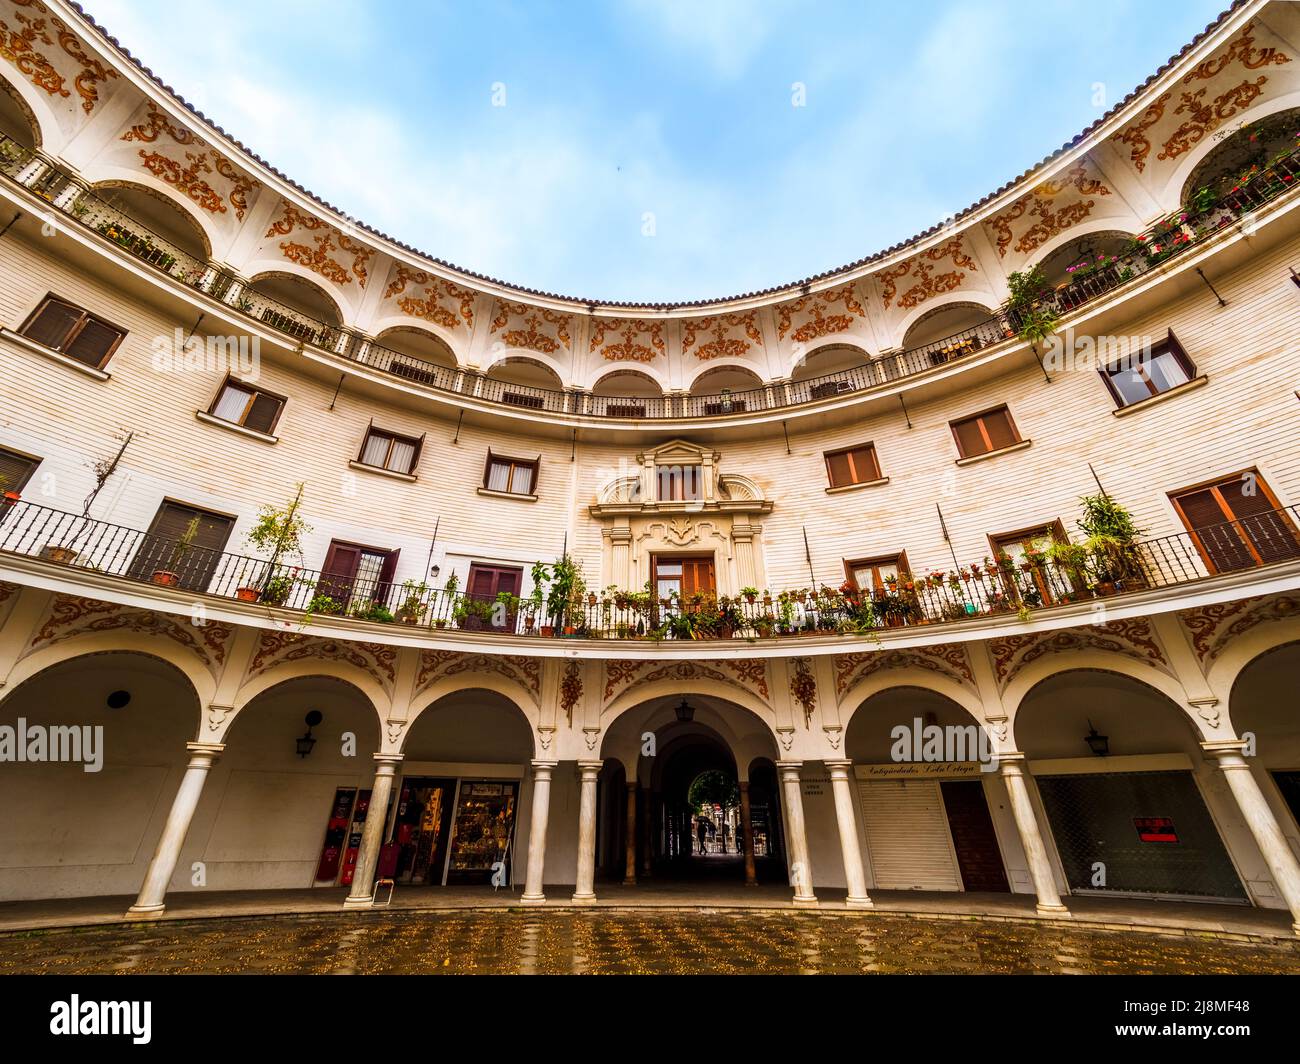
<point>485,583</point>
<point>163,550</point>
<point>1236,523</point>
<point>973,837</point>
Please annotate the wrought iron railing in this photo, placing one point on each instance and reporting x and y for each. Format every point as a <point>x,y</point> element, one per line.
<point>1057,576</point>
<point>1173,235</point>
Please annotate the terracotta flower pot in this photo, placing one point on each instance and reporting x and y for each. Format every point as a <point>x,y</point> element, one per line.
<point>166,578</point>
<point>247,594</point>
<point>62,555</point>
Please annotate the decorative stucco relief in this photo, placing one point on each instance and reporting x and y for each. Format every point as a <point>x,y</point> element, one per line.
<point>947,659</point>
<point>815,316</point>
<point>638,340</point>
<point>1132,637</point>
<point>745,674</point>
<point>728,336</point>
<point>28,44</point>
<point>524,671</point>
<point>317,245</point>
<point>1048,210</point>
<point>1212,628</point>
<point>937,270</point>
<point>532,328</point>
<point>278,648</point>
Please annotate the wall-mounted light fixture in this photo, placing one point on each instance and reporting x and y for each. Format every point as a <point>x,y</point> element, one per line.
<point>307,740</point>
<point>685,712</point>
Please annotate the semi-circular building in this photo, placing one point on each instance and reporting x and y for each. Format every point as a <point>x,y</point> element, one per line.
<point>974,565</point>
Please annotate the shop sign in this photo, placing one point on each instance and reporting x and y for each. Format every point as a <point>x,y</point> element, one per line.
<point>1155,828</point>
<point>920,770</point>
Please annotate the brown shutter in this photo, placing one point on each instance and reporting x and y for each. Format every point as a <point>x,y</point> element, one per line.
<point>263,413</point>
<point>1268,529</point>
<point>1001,432</point>
<point>864,462</point>
<point>969,440</point>
<point>15,470</point>
<point>838,464</point>
<point>386,571</point>
<point>52,323</point>
<point>94,343</point>
<point>1221,545</point>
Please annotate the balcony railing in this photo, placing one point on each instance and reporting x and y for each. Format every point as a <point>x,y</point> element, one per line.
<point>1172,236</point>
<point>1057,577</point>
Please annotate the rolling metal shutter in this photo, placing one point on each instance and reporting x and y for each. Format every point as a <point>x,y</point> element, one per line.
<point>907,835</point>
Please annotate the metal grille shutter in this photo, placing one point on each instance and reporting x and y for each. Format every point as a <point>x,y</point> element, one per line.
<point>907,835</point>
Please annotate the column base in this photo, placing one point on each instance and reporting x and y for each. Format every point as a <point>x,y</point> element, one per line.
<point>532,899</point>
<point>1051,910</point>
<point>859,903</point>
<point>630,882</point>
<point>810,902</point>
<point>368,902</point>
<point>583,899</point>
<point>1296,928</point>
<point>146,910</point>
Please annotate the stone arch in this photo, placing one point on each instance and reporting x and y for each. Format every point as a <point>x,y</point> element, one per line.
<point>300,290</point>
<point>716,367</point>
<point>911,331</point>
<point>284,682</point>
<point>651,374</point>
<point>511,691</point>
<point>15,105</point>
<point>1172,195</point>
<point>1243,650</point>
<point>507,356</point>
<point>1195,729</point>
<point>186,662</point>
<point>156,206</point>
<point>1049,665</point>
<point>427,342</point>
<point>916,678</point>
<point>288,671</point>
<point>1108,234</point>
<point>827,358</point>
<point>639,694</point>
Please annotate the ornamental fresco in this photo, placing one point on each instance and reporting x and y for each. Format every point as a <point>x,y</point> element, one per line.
<point>418,294</point>
<point>628,339</point>
<point>1132,637</point>
<point>821,314</point>
<point>1211,628</point>
<point>318,246</point>
<point>934,272</point>
<point>1205,98</point>
<point>1049,209</point>
<point>721,336</point>
<point>532,328</point>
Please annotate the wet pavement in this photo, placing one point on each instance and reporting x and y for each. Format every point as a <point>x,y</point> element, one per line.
<point>640,942</point>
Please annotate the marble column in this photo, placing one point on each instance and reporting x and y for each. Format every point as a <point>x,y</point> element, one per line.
<point>1263,825</point>
<point>1012,767</point>
<point>362,894</point>
<point>847,820</point>
<point>629,872</point>
<point>747,830</point>
<point>795,833</point>
<point>153,892</point>
<point>533,893</point>
<point>584,892</point>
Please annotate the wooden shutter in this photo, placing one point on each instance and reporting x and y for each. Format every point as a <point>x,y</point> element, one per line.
<point>485,583</point>
<point>194,566</point>
<point>15,470</point>
<point>264,413</point>
<point>52,323</point>
<point>697,576</point>
<point>1002,433</point>
<point>838,466</point>
<point>339,572</point>
<point>384,587</point>
<point>94,343</point>
<point>1264,526</point>
<point>970,441</point>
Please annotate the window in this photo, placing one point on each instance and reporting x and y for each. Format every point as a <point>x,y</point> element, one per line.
<point>1152,372</point>
<point>679,483</point>
<point>1237,523</point>
<point>485,583</point>
<point>15,470</point>
<point>66,328</point>
<point>855,465</point>
<point>512,476</point>
<point>683,575</point>
<point>354,575</point>
<point>385,450</point>
<point>874,574</point>
<point>242,404</point>
<point>532,402</point>
<point>184,541</point>
<point>983,433</point>
<point>1025,577</point>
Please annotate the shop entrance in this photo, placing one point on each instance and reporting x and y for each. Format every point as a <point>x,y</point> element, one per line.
<point>417,851</point>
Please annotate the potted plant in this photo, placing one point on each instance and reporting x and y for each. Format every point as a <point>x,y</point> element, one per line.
<point>750,593</point>
<point>413,607</point>
<point>1111,536</point>
<point>277,533</point>
<point>168,577</point>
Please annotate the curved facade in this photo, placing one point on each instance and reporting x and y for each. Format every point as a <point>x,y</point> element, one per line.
<point>800,521</point>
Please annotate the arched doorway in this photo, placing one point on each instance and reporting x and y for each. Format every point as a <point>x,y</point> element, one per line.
<point>457,818</point>
<point>1134,807</point>
<point>86,803</point>
<point>935,814</point>
<point>691,811</point>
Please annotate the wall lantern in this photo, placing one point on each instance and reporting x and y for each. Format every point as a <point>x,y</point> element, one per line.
<point>685,712</point>
<point>307,741</point>
<point>1098,744</point>
<point>435,571</point>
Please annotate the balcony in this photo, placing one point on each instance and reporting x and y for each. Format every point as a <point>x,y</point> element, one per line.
<point>974,593</point>
<point>1172,236</point>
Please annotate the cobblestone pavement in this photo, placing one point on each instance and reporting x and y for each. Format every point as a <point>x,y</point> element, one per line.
<point>603,942</point>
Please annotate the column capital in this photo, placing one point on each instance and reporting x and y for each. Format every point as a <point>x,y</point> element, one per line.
<point>592,767</point>
<point>211,750</point>
<point>389,759</point>
<point>542,768</point>
<point>1228,752</point>
<point>839,765</point>
<point>1008,758</point>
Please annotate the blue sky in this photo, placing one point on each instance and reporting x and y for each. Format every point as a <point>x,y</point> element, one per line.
<point>649,149</point>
